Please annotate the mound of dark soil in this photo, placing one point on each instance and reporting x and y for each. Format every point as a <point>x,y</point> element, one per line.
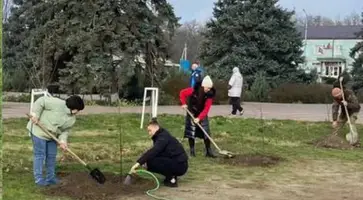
<point>80,186</point>
<point>252,160</point>
<point>332,141</point>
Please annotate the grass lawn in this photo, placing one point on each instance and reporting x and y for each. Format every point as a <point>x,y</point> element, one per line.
<point>306,173</point>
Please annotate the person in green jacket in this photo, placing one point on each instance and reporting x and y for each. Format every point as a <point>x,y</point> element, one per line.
<point>58,116</point>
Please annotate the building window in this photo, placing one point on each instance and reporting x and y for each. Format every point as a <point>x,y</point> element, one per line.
<point>333,69</point>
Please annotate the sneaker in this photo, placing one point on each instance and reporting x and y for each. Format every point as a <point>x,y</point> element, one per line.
<point>53,182</point>
<point>173,182</point>
<point>241,113</point>
<point>41,184</point>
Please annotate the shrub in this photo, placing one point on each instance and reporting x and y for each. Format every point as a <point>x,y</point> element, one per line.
<point>170,89</point>
<point>360,95</point>
<point>260,88</point>
<point>301,93</point>
<point>247,96</point>
<point>221,87</point>
<point>172,86</point>
<point>328,80</point>
<point>121,103</point>
<point>167,99</point>
<point>23,98</point>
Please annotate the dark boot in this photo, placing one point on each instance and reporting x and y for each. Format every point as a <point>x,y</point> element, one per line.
<point>208,149</point>
<point>192,147</point>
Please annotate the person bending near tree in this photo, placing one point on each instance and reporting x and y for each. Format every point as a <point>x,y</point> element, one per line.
<point>167,156</point>
<point>353,107</point>
<point>198,101</point>
<point>58,116</point>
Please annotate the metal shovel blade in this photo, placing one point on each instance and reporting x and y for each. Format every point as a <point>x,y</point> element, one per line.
<point>226,153</point>
<point>98,176</point>
<point>127,180</point>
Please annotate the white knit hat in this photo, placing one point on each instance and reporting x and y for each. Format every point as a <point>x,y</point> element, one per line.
<point>207,82</point>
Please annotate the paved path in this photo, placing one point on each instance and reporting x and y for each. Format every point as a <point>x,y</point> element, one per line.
<point>305,112</point>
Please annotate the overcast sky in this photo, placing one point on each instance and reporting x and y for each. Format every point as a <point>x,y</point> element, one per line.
<point>202,9</point>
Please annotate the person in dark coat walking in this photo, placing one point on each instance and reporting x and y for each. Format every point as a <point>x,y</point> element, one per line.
<point>197,75</point>
<point>200,99</point>
<point>167,156</point>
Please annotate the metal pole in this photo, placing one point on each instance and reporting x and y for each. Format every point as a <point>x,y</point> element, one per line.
<point>186,51</point>
<point>143,109</point>
<point>156,101</point>
<point>306,33</point>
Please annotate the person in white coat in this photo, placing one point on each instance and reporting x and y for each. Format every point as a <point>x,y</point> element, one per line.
<point>235,85</point>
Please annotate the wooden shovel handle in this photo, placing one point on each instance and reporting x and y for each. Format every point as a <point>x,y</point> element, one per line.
<point>205,132</point>
<point>345,107</point>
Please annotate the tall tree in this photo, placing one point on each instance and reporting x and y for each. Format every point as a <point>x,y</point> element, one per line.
<point>357,54</point>
<point>353,19</point>
<point>255,35</point>
<point>190,34</point>
<point>99,44</point>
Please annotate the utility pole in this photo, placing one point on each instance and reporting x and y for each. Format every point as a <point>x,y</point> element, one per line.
<point>306,34</point>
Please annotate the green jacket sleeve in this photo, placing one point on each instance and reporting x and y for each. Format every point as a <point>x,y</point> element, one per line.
<point>63,136</point>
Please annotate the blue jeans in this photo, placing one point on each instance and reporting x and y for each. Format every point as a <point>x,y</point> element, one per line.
<point>44,151</point>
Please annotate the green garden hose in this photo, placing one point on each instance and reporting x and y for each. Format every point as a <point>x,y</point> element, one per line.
<point>157,185</point>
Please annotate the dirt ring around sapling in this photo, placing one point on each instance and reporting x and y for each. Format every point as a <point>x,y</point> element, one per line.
<point>332,142</point>
<point>252,160</point>
<point>80,186</point>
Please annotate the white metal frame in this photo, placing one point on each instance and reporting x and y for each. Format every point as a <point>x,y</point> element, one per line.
<point>34,92</point>
<point>37,92</point>
<point>153,103</point>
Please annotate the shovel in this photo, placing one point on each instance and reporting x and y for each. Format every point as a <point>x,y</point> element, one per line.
<point>351,132</point>
<point>222,152</point>
<point>95,173</point>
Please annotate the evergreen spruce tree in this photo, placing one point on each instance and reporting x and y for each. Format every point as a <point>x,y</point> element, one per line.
<point>255,35</point>
<point>357,71</point>
<point>83,45</point>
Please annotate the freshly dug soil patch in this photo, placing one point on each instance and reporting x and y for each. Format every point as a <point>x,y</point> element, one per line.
<point>80,186</point>
<point>332,141</point>
<point>252,160</point>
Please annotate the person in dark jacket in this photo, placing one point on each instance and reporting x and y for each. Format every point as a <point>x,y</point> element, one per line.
<point>167,156</point>
<point>200,99</point>
<point>196,76</point>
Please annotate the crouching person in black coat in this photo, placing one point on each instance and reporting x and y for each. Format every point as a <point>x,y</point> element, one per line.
<point>167,156</point>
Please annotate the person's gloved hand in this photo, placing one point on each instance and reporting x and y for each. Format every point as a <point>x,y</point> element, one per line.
<point>133,168</point>
<point>345,103</point>
<point>196,120</point>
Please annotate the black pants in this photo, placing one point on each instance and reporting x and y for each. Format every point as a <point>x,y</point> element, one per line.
<point>236,104</point>
<point>167,167</point>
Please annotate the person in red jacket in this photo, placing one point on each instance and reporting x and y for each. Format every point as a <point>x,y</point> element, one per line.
<point>198,100</point>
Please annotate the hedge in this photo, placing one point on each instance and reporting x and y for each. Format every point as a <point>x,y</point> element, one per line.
<point>286,93</point>
<point>301,93</point>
